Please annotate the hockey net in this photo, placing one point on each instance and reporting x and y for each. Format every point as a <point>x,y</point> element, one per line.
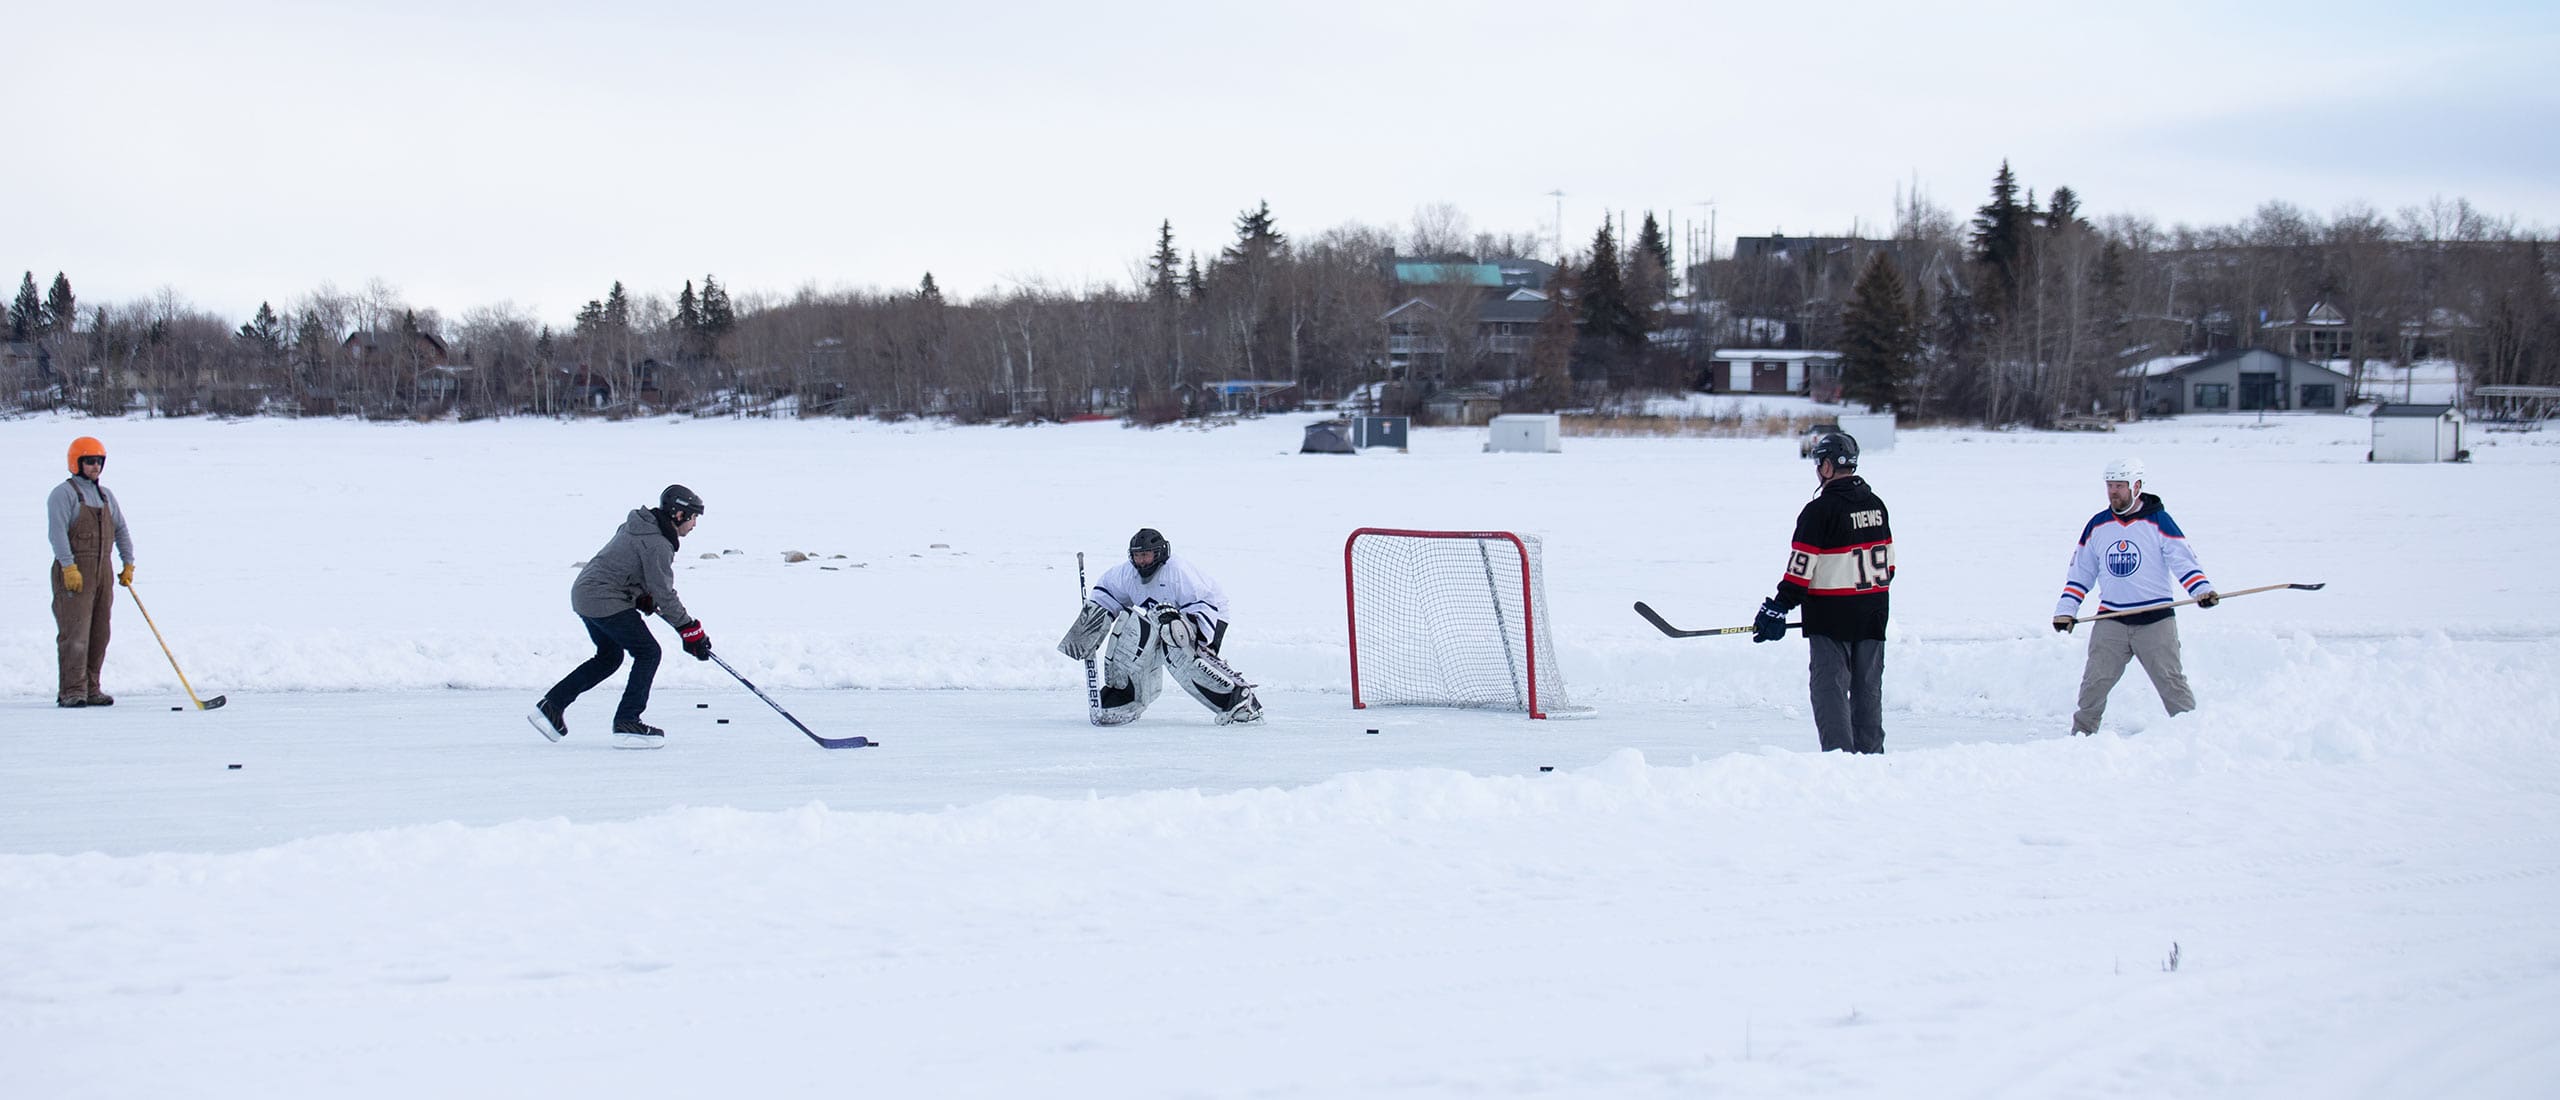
<point>1451,619</point>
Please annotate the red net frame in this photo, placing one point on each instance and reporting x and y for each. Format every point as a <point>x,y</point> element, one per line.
<point>1443,627</point>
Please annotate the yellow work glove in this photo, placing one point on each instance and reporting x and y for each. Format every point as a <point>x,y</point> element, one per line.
<point>70,578</point>
<point>126,578</point>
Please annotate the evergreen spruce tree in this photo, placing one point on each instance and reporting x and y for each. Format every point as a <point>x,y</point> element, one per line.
<point>688,319</point>
<point>1648,270</point>
<point>61,310</point>
<point>928,293</point>
<point>1164,269</point>
<point>719,318</point>
<point>264,332</point>
<point>1607,320</point>
<point>2063,211</point>
<point>1879,337</point>
<point>1999,237</point>
<point>26,314</point>
<point>1193,286</point>
<point>617,308</point>
<point>1257,240</point>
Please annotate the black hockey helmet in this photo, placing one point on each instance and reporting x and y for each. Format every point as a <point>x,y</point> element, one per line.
<point>1838,446</point>
<point>677,498</point>
<point>1149,540</point>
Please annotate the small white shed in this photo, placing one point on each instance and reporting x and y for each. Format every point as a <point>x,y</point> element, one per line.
<point>1533,432</point>
<point>2417,433</point>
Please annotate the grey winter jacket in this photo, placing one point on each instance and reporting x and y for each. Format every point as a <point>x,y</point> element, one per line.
<point>637,559</point>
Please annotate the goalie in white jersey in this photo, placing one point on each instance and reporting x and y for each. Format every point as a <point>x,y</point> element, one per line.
<point>1157,613</point>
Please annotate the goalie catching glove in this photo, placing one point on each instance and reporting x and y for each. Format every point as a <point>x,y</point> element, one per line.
<point>1084,637</point>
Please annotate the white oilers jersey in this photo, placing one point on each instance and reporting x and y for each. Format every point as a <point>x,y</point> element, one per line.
<point>1176,584</point>
<point>2137,561</point>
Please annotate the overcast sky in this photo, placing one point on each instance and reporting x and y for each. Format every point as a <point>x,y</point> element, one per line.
<point>472,152</point>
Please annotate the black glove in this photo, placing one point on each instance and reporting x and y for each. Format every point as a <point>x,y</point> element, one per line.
<point>1770,624</point>
<point>2062,624</point>
<point>647,604</point>
<point>2209,599</point>
<point>696,643</point>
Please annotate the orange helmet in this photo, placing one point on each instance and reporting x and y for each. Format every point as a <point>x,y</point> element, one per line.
<point>85,447</point>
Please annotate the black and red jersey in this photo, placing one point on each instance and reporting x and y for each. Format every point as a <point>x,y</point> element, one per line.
<point>1840,565</point>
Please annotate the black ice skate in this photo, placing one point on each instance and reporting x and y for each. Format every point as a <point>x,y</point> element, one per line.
<point>636,734</point>
<point>549,719</point>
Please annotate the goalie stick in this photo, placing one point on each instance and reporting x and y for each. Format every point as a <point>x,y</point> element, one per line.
<point>1092,681</point>
<point>1676,632</point>
<point>823,742</point>
<point>2183,603</point>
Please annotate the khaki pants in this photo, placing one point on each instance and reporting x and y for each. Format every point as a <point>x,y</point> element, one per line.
<point>80,629</point>
<point>2111,644</point>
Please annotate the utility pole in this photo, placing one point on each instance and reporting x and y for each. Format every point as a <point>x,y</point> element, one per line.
<point>1559,197</point>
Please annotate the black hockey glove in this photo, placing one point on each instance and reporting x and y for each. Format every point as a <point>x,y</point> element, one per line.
<point>696,643</point>
<point>1770,624</point>
<point>647,604</point>
<point>2209,599</point>
<point>2062,624</point>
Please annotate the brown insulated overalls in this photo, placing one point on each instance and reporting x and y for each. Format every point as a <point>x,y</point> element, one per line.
<point>80,618</point>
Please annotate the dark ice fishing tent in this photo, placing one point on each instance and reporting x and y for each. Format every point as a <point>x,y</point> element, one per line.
<point>1328,437</point>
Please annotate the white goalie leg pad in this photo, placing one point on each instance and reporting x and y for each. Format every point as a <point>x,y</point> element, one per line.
<point>1208,679</point>
<point>1132,668</point>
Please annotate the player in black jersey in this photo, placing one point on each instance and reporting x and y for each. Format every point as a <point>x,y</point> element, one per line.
<point>1840,569</point>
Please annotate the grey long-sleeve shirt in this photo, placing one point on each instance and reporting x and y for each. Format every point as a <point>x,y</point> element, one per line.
<point>65,504</point>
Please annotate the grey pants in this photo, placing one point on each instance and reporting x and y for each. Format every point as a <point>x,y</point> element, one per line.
<point>1848,693</point>
<point>2111,644</point>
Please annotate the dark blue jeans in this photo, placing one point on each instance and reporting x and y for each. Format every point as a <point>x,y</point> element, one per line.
<point>621,632</point>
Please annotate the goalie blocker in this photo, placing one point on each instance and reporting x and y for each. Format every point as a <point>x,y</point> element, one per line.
<point>1153,614</point>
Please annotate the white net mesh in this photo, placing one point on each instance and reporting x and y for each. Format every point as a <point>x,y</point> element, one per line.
<point>1451,619</point>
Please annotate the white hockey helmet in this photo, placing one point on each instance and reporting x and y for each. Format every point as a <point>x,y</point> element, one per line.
<point>2127,470</point>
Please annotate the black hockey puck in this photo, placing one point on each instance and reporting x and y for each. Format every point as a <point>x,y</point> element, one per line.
<point>702,706</point>
<point>1373,731</point>
<point>177,708</point>
<point>235,767</point>
<point>722,721</point>
<point>1546,767</point>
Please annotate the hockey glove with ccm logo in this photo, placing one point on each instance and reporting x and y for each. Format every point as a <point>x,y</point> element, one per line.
<point>1770,625</point>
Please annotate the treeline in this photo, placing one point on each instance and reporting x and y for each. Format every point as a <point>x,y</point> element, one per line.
<point>2031,310</point>
<point>2026,312</point>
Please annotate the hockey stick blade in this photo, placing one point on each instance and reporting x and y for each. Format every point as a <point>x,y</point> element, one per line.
<point>823,742</point>
<point>1676,632</point>
<point>214,703</point>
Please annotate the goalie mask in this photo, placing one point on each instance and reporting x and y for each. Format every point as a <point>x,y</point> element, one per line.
<point>1151,542</point>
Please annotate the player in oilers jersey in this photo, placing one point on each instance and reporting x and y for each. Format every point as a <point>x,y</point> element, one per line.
<point>2135,554</point>
<point>1840,568</point>
<point>1160,614</point>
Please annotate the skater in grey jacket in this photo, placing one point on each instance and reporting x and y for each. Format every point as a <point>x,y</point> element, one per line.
<point>632,576</point>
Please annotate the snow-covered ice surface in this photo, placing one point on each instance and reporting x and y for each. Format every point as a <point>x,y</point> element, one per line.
<point>2354,846</point>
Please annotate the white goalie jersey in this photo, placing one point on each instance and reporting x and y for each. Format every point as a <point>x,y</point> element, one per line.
<point>1176,585</point>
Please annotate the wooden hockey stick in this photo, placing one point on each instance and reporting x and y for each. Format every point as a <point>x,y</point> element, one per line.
<point>1676,632</point>
<point>2198,599</point>
<point>201,704</point>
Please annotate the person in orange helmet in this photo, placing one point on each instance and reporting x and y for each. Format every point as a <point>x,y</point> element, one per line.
<point>82,518</point>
